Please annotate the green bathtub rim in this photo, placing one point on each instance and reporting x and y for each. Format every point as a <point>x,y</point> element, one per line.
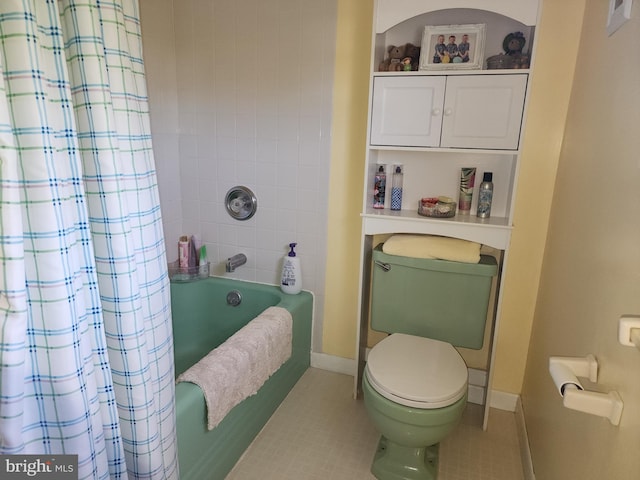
<point>212,454</point>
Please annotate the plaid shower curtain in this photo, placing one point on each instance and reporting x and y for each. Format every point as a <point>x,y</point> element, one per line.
<point>86,352</point>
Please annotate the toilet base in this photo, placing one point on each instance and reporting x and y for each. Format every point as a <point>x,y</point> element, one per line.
<point>398,462</point>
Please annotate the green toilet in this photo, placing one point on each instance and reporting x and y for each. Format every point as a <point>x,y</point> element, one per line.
<point>415,381</point>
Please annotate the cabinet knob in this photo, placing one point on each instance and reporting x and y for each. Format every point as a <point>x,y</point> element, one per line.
<point>436,112</point>
<point>448,112</point>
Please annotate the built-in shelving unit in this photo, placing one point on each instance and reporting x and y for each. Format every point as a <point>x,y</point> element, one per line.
<point>435,122</point>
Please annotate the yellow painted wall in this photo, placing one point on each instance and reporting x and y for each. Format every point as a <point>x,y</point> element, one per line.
<point>591,270</point>
<point>550,89</point>
<point>551,86</point>
<point>350,100</point>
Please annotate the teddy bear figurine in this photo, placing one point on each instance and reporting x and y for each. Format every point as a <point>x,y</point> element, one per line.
<point>402,58</point>
<point>393,62</point>
<point>411,60</point>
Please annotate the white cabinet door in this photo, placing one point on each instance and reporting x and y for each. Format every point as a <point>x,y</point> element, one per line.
<point>407,111</point>
<point>483,111</point>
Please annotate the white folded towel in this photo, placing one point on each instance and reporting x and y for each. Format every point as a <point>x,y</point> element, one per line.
<point>432,246</point>
<point>239,367</point>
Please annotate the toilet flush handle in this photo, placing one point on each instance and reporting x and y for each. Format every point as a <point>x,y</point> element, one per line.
<point>385,266</point>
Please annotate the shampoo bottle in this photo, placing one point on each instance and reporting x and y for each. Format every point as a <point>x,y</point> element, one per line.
<point>291,281</point>
<point>485,195</point>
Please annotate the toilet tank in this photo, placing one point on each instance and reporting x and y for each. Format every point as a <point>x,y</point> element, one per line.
<point>437,299</point>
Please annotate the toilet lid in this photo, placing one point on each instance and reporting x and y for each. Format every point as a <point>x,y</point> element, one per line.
<point>417,372</point>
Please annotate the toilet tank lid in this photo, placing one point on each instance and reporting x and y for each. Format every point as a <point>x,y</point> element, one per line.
<point>417,371</point>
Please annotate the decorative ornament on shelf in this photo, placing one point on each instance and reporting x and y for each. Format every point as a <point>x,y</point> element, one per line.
<point>401,58</point>
<point>513,43</point>
<point>512,57</point>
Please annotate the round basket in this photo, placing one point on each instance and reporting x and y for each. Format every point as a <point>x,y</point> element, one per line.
<point>438,207</point>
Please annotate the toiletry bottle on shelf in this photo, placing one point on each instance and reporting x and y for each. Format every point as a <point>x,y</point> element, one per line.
<point>396,188</point>
<point>291,280</point>
<point>379,186</point>
<point>467,180</point>
<point>202,258</point>
<point>485,195</point>
<point>183,252</point>
<point>195,241</point>
<point>203,262</point>
<point>193,252</point>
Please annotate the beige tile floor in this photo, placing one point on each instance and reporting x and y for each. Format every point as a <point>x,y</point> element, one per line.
<point>319,433</point>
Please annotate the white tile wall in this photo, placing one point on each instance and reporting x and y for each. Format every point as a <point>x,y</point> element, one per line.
<point>240,94</point>
<point>159,48</point>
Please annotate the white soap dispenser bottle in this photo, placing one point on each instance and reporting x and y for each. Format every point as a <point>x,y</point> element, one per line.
<point>291,281</point>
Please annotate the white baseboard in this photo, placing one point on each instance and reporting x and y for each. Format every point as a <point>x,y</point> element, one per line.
<point>504,400</point>
<point>333,363</point>
<point>523,440</point>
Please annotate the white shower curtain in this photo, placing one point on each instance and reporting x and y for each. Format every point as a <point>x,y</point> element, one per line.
<point>86,352</point>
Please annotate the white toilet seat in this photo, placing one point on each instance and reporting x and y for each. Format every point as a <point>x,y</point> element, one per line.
<point>417,372</point>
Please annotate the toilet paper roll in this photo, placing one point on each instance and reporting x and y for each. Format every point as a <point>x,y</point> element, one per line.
<point>563,377</point>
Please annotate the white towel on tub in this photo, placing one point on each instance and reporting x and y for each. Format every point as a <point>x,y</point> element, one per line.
<point>239,367</point>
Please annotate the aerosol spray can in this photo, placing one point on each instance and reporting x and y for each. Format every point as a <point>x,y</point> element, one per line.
<point>485,195</point>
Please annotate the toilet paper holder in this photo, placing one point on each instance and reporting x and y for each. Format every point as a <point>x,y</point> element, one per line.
<point>564,372</point>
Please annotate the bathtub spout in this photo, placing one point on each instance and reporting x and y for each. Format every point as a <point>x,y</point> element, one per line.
<point>235,261</point>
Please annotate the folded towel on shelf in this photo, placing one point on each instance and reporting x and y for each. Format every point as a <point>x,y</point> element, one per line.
<point>432,246</point>
<point>239,367</point>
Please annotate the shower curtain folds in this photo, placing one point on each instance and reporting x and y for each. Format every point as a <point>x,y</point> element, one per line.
<point>86,360</point>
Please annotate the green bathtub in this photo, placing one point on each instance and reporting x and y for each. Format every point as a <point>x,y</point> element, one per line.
<point>202,320</point>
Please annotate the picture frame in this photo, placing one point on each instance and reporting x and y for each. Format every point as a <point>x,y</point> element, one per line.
<point>619,13</point>
<point>450,56</point>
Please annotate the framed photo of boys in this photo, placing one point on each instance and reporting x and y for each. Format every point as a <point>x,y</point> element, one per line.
<point>452,47</point>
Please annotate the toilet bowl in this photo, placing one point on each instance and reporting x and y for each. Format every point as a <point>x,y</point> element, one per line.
<point>415,391</point>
